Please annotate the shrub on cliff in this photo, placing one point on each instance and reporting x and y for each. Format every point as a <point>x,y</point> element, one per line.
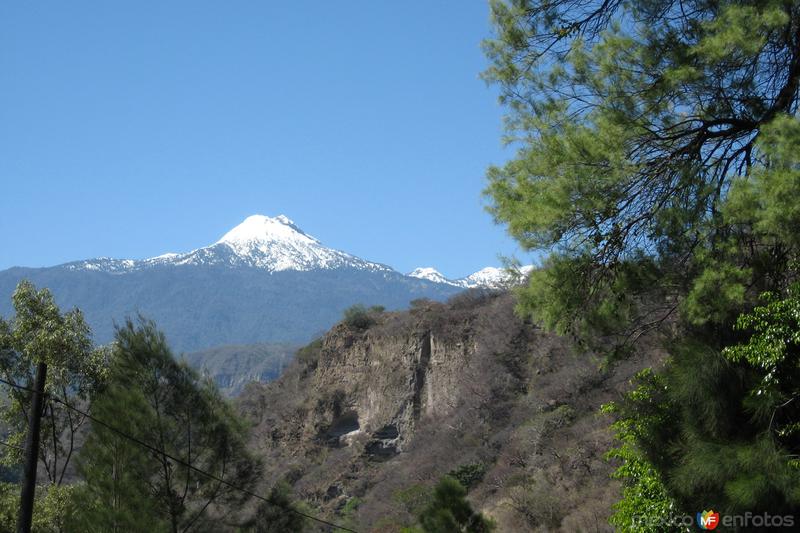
<point>359,317</point>
<point>308,355</point>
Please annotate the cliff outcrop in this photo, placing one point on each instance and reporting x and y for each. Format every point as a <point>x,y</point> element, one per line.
<point>368,419</point>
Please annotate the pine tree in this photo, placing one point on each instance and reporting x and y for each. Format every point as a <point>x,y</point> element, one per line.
<point>659,165</point>
<point>163,403</point>
<point>450,511</point>
<point>633,121</point>
<point>117,492</point>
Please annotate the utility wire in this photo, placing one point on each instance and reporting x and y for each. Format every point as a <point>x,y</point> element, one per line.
<point>9,445</point>
<point>177,460</point>
<point>16,386</point>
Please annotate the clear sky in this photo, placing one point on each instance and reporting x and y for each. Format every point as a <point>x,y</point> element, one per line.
<point>130,129</point>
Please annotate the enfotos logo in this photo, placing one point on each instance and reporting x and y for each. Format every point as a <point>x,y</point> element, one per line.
<point>708,519</point>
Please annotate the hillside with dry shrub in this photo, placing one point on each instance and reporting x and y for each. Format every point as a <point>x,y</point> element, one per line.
<point>369,417</point>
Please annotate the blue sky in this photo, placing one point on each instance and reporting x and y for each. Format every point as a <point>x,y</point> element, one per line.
<point>132,129</point>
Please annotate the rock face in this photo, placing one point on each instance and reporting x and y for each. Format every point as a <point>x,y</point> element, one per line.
<point>389,385</point>
<point>366,421</point>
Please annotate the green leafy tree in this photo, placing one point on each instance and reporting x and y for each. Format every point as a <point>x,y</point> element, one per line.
<point>450,511</point>
<point>39,331</point>
<point>734,429</point>
<point>646,505</point>
<point>699,431</point>
<point>52,507</point>
<point>162,402</point>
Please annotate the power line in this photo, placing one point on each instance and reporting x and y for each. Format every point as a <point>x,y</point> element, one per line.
<point>9,445</point>
<point>191,466</point>
<point>177,460</point>
<point>16,386</point>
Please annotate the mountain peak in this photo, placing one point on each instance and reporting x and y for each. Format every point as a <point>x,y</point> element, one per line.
<point>261,228</point>
<point>430,274</point>
<point>487,278</point>
<point>275,244</point>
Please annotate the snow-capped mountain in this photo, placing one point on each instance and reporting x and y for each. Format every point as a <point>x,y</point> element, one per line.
<point>495,278</point>
<point>277,244</point>
<point>266,280</point>
<point>273,244</point>
<point>486,278</point>
<point>430,274</point>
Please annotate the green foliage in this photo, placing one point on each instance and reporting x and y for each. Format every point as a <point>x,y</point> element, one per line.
<point>469,475</point>
<point>757,247</point>
<point>348,514</point>
<point>628,158</point>
<point>163,403</point>
<point>645,505</point>
<point>450,511</point>
<point>775,338</point>
<point>9,505</point>
<point>662,172</point>
<point>773,350</point>
<point>39,331</point>
<point>358,317</point>
<point>690,433</point>
<point>716,293</point>
<point>309,354</point>
<point>560,297</point>
<point>351,506</point>
<point>117,494</point>
<point>275,515</point>
<point>51,510</point>
<point>768,200</point>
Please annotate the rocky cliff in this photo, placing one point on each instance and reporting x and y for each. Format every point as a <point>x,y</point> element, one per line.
<point>368,419</point>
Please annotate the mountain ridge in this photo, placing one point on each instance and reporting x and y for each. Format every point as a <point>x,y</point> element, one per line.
<point>485,278</point>
<point>264,281</point>
<point>277,244</point>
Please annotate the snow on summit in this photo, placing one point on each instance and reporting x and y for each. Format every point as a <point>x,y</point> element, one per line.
<point>486,278</point>
<point>430,274</point>
<point>260,228</point>
<point>493,277</point>
<point>271,243</point>
<point>277,244</point>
